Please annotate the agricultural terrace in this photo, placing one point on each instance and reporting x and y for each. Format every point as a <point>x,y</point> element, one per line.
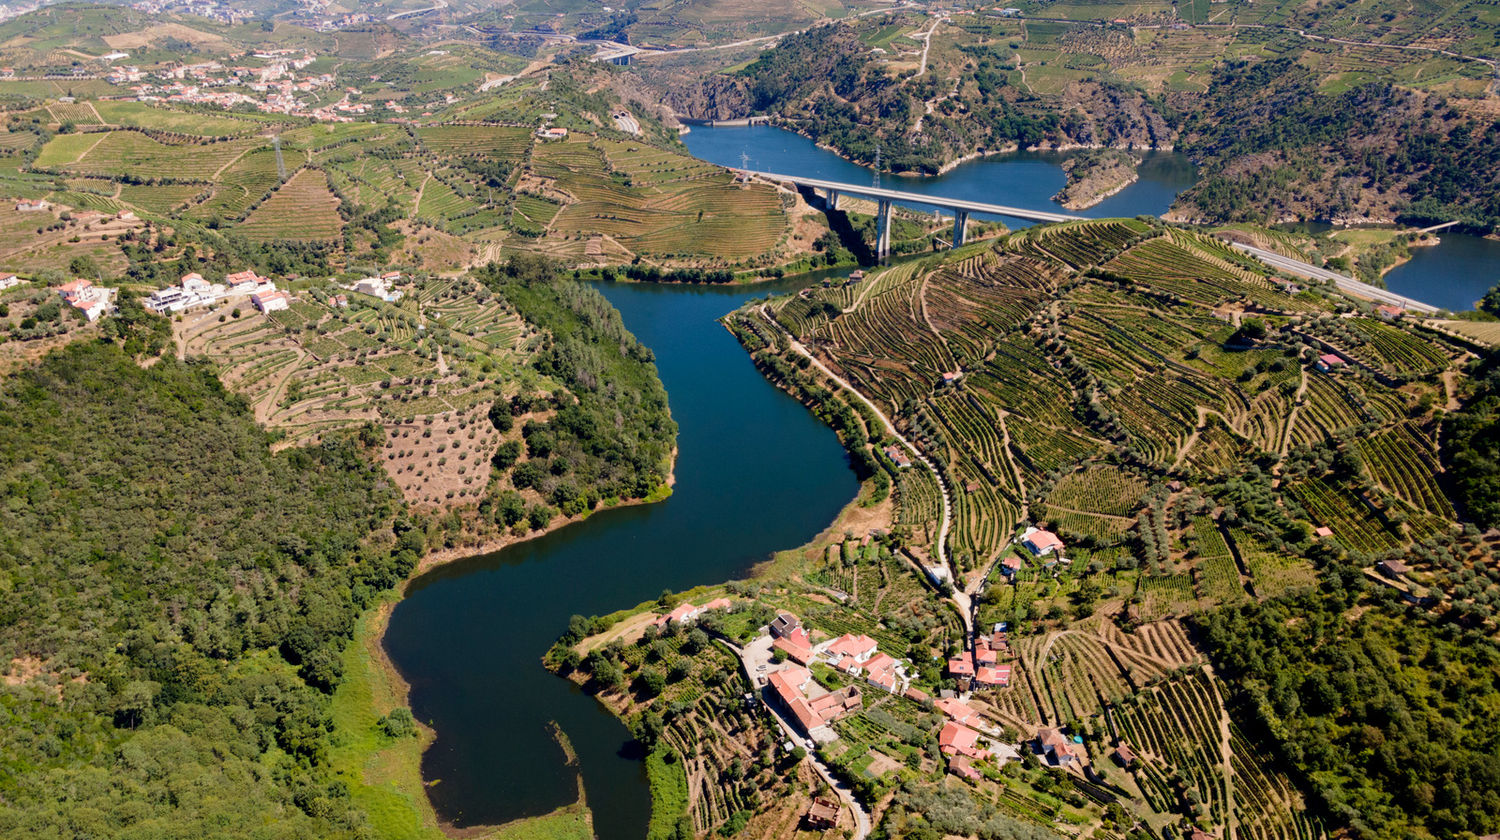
<point>588,200</point>
<point>301,209</point>
<point>652,201</point>
<point>1105,379</point>
<point>32,243</point>
<point>715,761</point>
<point>425,370</point>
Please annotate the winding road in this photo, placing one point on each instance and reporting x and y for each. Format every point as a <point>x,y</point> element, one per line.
<point>959,597</point>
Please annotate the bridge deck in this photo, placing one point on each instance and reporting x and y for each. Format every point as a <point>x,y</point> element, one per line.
<point>920,198</point>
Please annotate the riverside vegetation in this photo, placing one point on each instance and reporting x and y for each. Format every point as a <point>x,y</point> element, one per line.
<point>1393,122</point>
<point>188,593</point>
<point>1232,505</point>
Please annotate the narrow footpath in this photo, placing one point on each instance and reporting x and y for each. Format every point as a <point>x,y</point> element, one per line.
<point>959,597</point>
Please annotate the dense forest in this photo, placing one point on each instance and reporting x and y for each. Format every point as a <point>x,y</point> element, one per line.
<point>177,598</point>
<point>612,434</point>
<point>1471,447</point>
<point>1388,717</point>
<point>1272,144</point>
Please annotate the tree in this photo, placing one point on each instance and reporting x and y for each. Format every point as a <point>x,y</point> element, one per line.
<point>398,723</point>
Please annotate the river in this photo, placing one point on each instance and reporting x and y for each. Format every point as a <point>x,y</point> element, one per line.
<point>1020,179</point>
<point>1452,275</point>
<point>755,473</point>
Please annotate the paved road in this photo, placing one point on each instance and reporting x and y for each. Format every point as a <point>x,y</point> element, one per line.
<point>627,123</point>
<point>1346,283</point>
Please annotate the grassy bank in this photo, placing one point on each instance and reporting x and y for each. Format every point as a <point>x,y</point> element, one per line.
<point>669,794</point>
<point>384,774</point>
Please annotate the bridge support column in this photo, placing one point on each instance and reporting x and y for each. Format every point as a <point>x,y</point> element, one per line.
<point>960,227</point>
<point>883,231</point>
<point>833,200</point>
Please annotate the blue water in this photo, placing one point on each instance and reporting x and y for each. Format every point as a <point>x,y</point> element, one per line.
<point>1019,179</point>
<point>1452,275</point>
<point>756,473</point>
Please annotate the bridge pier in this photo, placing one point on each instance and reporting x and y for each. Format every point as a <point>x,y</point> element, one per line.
<point>883,231</point>
<point>960,227</point>
<point>833,200</point>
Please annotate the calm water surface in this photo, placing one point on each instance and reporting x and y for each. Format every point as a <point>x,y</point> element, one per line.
<point>1452,275</point>
<point>756,473</point>
<point>1020,179</point>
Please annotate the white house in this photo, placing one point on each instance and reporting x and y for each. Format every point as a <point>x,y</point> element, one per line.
<point>8,280</point>
<point>271,301</point>
<point>1040,543</point>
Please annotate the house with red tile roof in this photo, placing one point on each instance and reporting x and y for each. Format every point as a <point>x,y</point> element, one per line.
<point>957,710</point>
<point>790,686</point>
<point>1055,746</point>
<point>995,677</point>
<point>243,282</point>
<point>1040,543</point>
<point>859,648</point>
<point>797,645</point>
<point>961,665</point>
<point>883,671</point>
<point>984,654</point>
<point>956,739</point>
<point>271,301</point>
<point>1329,361</point>
<point>74,288</point>
<point>961,766</point>
<point>1010,565</point>
<point>837,704</point>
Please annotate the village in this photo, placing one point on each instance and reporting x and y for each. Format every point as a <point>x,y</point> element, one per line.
<point>812,683</point>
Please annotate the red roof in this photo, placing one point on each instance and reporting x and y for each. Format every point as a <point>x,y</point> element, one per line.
<point>961,766</point>
<point>74,286</point>
<point>961,666</point>
<point>786,685</point>
<point>956,709</point>
<point>1042,541</point>
<point>882,671</point>
<point>960,740</point>
<point>1330,360</point>
<point>796,645</point>
<point>998,676</point>
<point>859,647</point>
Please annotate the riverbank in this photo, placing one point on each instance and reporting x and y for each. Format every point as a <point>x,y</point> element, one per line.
<point>439,557</point>
<point>384,773</point>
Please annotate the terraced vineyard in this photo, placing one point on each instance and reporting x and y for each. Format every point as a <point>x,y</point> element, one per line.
<point>302,209</point>
<point>1092,378</point>
<point>587,200</point>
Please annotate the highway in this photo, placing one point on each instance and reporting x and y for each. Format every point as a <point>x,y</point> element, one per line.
<point>919,198</point>
<point>1344,282</point>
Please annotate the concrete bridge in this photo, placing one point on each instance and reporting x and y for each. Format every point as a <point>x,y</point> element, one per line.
<point>885,198</point>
